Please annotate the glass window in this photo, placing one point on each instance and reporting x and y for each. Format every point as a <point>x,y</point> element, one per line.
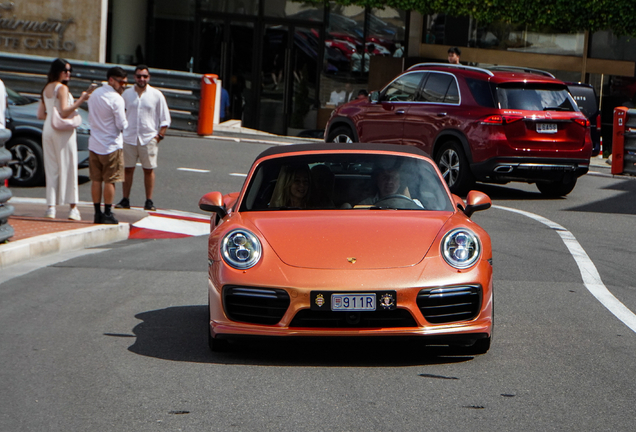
<point>168,9</point>
<point>354,182</point>
<point>293,9</point>
<point>403,89</point>
<point>605,45</point>
<point>242,7</point>
<point>481,92</point>
<point>444,29</point>
<point>535,98</point>
<point>387,29</point>
<point>436,87</point>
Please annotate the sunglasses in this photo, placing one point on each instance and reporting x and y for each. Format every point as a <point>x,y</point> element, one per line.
<point>142,76</point>
<point>69,70</point>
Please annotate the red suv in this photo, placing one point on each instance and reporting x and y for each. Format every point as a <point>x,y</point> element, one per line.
<point>491,125</point>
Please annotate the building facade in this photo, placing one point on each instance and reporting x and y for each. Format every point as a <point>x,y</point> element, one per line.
<point>286,63</point>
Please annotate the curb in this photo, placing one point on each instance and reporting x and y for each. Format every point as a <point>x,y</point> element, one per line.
<point>64,241</point>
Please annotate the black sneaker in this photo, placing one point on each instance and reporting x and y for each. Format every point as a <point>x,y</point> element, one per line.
<point>109,219</point>
<point>149,206</point>
<point>98,218</point>
<point>123,204</point>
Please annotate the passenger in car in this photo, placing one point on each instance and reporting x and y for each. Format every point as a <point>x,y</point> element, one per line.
<point>388,183</point>
<point>293,187</point>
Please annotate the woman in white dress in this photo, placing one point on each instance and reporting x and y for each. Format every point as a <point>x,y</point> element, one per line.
<point>60,146</point>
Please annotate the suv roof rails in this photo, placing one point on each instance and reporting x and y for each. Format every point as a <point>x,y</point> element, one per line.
<point>522,69</point>
<point>458,66</point>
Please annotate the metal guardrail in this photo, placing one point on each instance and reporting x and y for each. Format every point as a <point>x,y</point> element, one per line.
<point>6,210</point>
<point>27,74</point>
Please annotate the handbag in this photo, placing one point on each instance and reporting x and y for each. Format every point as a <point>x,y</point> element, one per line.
<point>64,124</point>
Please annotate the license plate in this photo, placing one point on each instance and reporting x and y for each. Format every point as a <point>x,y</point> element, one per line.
<point>549,128</point>
<point>353,302</point>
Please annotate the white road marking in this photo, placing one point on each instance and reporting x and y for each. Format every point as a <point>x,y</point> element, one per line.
<point>589,273</point>
<point>193,170</point>
<point>238,175</point>
<point>174,225</point>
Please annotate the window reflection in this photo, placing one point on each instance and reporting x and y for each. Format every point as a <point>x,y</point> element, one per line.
<point>242,7</point>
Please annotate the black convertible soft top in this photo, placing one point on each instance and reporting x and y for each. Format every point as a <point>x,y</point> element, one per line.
<point>407,149</point>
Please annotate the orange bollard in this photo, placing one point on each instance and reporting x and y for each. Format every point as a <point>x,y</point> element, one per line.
<point>618,139</point>
<point>206,105</point>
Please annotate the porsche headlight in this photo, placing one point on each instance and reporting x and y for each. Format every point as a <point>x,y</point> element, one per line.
<point>461,248</point>
<point>241,249</point>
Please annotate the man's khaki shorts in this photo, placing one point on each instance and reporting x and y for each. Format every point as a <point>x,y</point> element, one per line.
<point>107,168</point>
<point>146,154</point>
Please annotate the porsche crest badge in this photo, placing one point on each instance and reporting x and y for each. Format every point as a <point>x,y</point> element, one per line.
<point>387,301</point>
<point>352,260</point>
<point>320,300</point>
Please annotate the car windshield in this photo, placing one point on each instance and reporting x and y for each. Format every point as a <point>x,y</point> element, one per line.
<point>345,181</point>
<point>535,98</point>
<point>16,98</point>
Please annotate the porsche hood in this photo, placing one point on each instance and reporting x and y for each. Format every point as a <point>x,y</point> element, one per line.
<point>369,239</point>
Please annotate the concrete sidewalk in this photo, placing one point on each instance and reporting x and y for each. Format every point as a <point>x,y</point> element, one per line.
<point>38,236</point>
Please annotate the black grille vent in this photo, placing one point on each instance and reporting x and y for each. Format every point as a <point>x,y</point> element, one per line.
<point>449,304</point>
<point>255,305</point>
<point>376,319</point>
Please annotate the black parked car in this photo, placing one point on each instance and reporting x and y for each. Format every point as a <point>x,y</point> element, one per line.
<point>586,99</point>
<point>25,144</point>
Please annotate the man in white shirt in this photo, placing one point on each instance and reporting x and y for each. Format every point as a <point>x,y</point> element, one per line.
<point>148,119</point>
<point>107,117</point>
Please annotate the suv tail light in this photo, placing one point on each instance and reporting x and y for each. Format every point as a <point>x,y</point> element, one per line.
<point>501,119</point>
<point>598,122</point>
<point>583,122</point>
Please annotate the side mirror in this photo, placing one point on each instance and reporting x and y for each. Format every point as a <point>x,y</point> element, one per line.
<point>374,97</point>
<point>476,201</point>
<point>213,202</point>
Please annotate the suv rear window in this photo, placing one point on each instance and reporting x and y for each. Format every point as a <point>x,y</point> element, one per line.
<point>535,98</point>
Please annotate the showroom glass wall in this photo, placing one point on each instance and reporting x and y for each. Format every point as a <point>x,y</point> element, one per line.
<point>280,60</point>
<point>575,57</point>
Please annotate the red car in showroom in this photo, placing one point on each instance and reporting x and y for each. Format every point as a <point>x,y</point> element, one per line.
<point>490,125</point>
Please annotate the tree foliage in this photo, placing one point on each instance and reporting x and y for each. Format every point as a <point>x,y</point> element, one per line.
<point>559,15</point>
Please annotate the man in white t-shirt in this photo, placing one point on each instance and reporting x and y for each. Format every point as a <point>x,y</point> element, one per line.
<point>148,119</point>
<point>107,117</point>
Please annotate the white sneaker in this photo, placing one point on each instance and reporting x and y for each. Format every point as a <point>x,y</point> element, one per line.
<point>50,213</point>
<point>74,214</point>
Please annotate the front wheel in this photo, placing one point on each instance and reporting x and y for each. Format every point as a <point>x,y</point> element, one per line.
<point>341,134</point>
<point>453,164</point>
<point>555,189</point>
<point>27,162</point>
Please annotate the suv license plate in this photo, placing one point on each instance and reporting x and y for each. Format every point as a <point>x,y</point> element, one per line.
<point>549,128</point>
<point>353,302</point>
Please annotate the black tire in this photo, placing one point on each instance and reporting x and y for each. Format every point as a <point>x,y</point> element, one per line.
<point>454,166</point>
<point>341,134</point>
<point>555,189</point>
<point>27,162</point>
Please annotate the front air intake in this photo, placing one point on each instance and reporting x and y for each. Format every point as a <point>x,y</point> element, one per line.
<point>449,304</point>
<point>255,305</point>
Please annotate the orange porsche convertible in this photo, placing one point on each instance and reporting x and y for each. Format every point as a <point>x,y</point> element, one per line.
<point>348,240</point>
